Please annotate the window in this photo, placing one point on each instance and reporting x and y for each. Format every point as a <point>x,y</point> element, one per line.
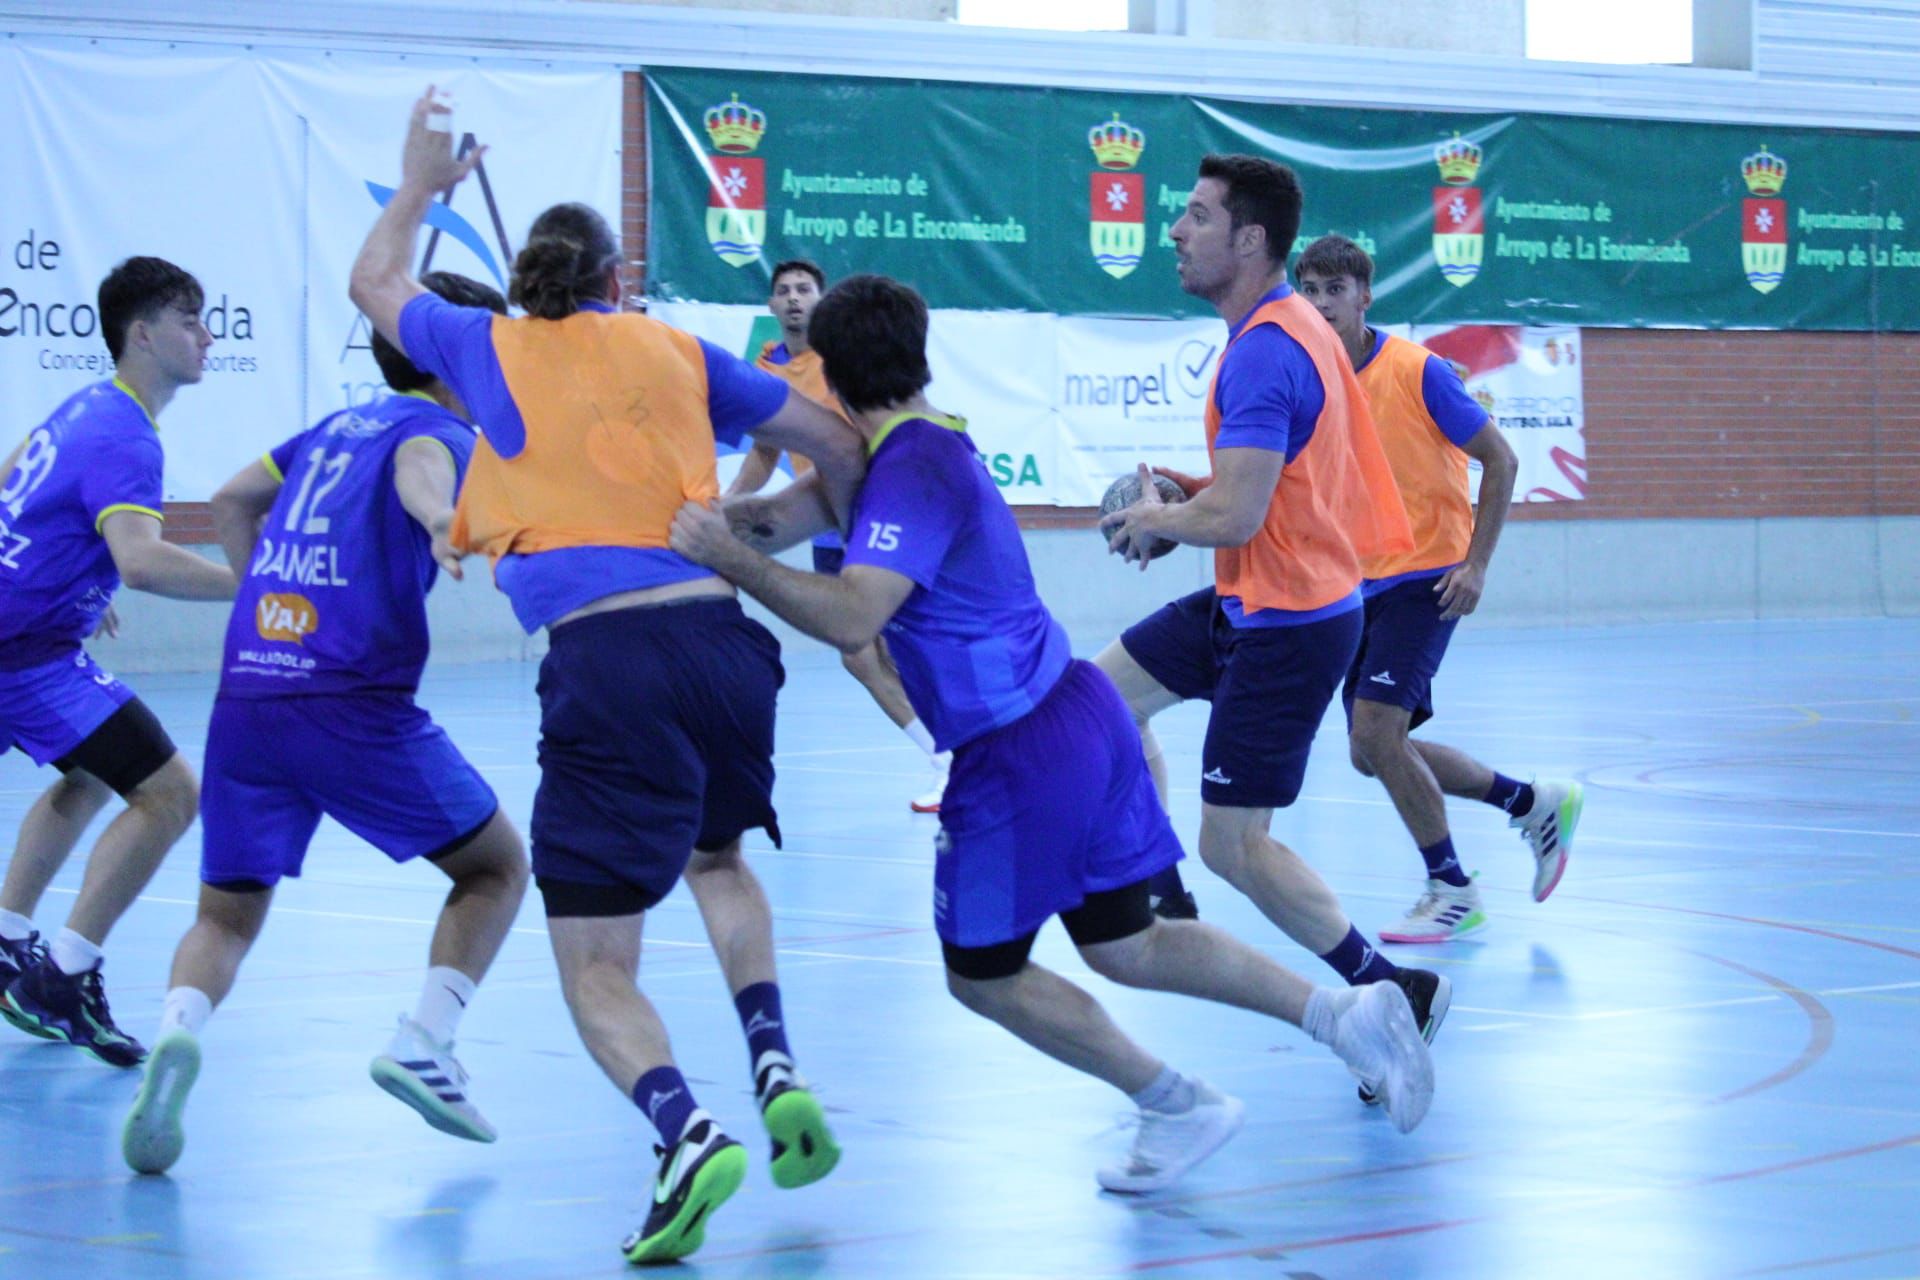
<point>1044,15</point>
<point>1632,31</point>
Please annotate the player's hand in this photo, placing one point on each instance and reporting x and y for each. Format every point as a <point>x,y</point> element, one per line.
<point>1460,589</point>
<point>1189,485</point>
<point>749,518</point>
<point>426,161</point>
<point>109,625</point>
<point>702,534</point>
<point>1127,536</point>
<point>443,549</point>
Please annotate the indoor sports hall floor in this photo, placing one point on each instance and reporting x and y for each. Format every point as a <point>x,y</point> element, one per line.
<point>1699,1059</point>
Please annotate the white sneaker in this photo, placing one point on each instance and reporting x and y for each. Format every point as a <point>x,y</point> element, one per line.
<point>1374,1033</point>
<point>1444,912</point>
<point>930,802</point>
<point>1166,1146</point>
<point>152,1140</point>
<point>426,1076</point>
<point>1548,830</point>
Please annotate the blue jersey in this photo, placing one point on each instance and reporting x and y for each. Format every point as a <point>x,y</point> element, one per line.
<point>975,646</point>
<point>98,454</point>
<point>334,600</point>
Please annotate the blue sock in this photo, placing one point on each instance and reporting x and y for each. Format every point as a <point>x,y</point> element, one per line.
<point>1356,960</point>
<point>1442,865</point>
<point>1513,796</point>
<point>759,1009</point>
<point>663,1094</point>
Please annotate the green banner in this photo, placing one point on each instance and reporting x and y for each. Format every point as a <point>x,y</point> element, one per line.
<point>992,197</point>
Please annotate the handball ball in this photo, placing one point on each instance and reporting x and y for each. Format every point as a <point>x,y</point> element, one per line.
<point>1125,491</point>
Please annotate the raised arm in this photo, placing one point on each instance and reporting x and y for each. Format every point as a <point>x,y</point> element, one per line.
<point>383,282</point>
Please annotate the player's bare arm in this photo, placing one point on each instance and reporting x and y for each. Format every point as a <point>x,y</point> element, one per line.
<point>239,509</point>
<point>425,480</point>
<point>786,519</point>
<point>823,436</point>
<point>383,282</point>
<point>146,563</point>
<point>1460,587</point>
<point>758,468</point>
<point>1224,513</point>
<point>846,610</point>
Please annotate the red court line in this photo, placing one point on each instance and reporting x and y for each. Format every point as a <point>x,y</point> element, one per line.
<point>1810,1263</point>
<point>1759,920</point>
<point>1422,1228</point>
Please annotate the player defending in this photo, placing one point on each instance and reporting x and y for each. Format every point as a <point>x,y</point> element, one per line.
<point>1050,810</point>
<point>797,285</point>
<point>1300,491</point>
<point>657,691</point>
<point>1429,427</point>
<point>331,534</point>
<point>80,513</point>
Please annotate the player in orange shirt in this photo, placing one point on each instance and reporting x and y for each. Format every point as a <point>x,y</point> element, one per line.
<point>1429,427</point>
<point>797,286</point>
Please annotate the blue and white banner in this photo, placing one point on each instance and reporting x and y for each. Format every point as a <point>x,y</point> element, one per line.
<point>261,176</point>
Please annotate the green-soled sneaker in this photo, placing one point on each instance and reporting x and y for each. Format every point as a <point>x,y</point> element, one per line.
<point>696,1177</point>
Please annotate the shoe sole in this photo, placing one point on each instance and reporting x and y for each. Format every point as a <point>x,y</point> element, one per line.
<point>716,1181</point>
<point>807,1151</point>
<point>152,1138</point>
<point>1466,928</point>
<point>33,1026</point>
<point>22,1021</point>
<point>1570,810</point>
<point>1436,1014</point>
<point>1407,1091</point>
<point>1236,1116</point>
<point>404,1085</point>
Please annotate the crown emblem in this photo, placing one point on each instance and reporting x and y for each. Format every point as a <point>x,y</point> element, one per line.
<point>1764,171</point>
<point>1459,161</point>
<point>1116,144</point>
<point>735,127</point>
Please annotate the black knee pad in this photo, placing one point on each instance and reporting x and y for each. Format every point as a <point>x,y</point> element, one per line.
<point>986,964</point>
<point>1110,916</point>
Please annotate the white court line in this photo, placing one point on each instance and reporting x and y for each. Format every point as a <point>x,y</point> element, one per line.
<point>1599,1014</point>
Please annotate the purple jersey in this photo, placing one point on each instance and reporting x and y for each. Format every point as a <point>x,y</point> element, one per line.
<point>98,454</point>
<point>334,600</point>
<point>975,646</point>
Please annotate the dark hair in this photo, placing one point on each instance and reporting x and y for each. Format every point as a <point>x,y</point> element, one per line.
<point>1335,255</point>
<point>798,264</point>
<point>1262,193</point>
<point>401,373</point>
<point>871,333</point>
<point>139,289</point>
<point>569,249</point>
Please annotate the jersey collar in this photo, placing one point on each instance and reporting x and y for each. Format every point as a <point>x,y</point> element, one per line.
<point>948,421</point>
<point>1279,291</point>
<point>151,420</point>
<point>1379,342</point>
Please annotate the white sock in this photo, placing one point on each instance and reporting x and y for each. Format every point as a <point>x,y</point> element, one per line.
<point>1324,1008</point>
<point>917,730</point>
<point>15,927</point>
<point>443,998</point>
<point>943,762</point>
<point>186,1009</point>
<point>74,954</point>
<point>1170,1093</point>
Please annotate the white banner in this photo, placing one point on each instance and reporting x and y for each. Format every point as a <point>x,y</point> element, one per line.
<point>1528,379</point>
<point>260,176</point>
<point>106,157</point>
<point>1131,391</point>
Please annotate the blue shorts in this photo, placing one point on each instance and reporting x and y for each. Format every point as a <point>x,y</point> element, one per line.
<point>48,710</point>
<point>1269,686</point>
<point>1401,650</point>
<point>1044,811</point>
<point>828,559</point>
<point>656,738</point>
<point>374,762</point>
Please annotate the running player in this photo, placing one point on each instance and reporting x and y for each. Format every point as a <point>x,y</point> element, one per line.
<point>1299,492</point>
<point>80,513</point>
<point>1050,810</point>
<point>797,286</point>
<point>331,534</point>
<point>657,692</point>
<point>1429,427</point>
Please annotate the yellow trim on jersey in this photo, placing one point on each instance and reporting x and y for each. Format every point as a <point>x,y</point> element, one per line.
<point>118,507</point>
<point>451,460</point>
<point>151,420</point>
<point>273,468</point>
<point>418,394</point>
<point>946,420</point>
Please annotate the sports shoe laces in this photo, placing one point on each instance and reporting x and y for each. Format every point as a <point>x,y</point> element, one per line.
<point>93,997</point>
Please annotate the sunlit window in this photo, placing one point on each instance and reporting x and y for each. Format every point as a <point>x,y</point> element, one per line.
<point>1637,31</point>
<point>1044,15</point>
